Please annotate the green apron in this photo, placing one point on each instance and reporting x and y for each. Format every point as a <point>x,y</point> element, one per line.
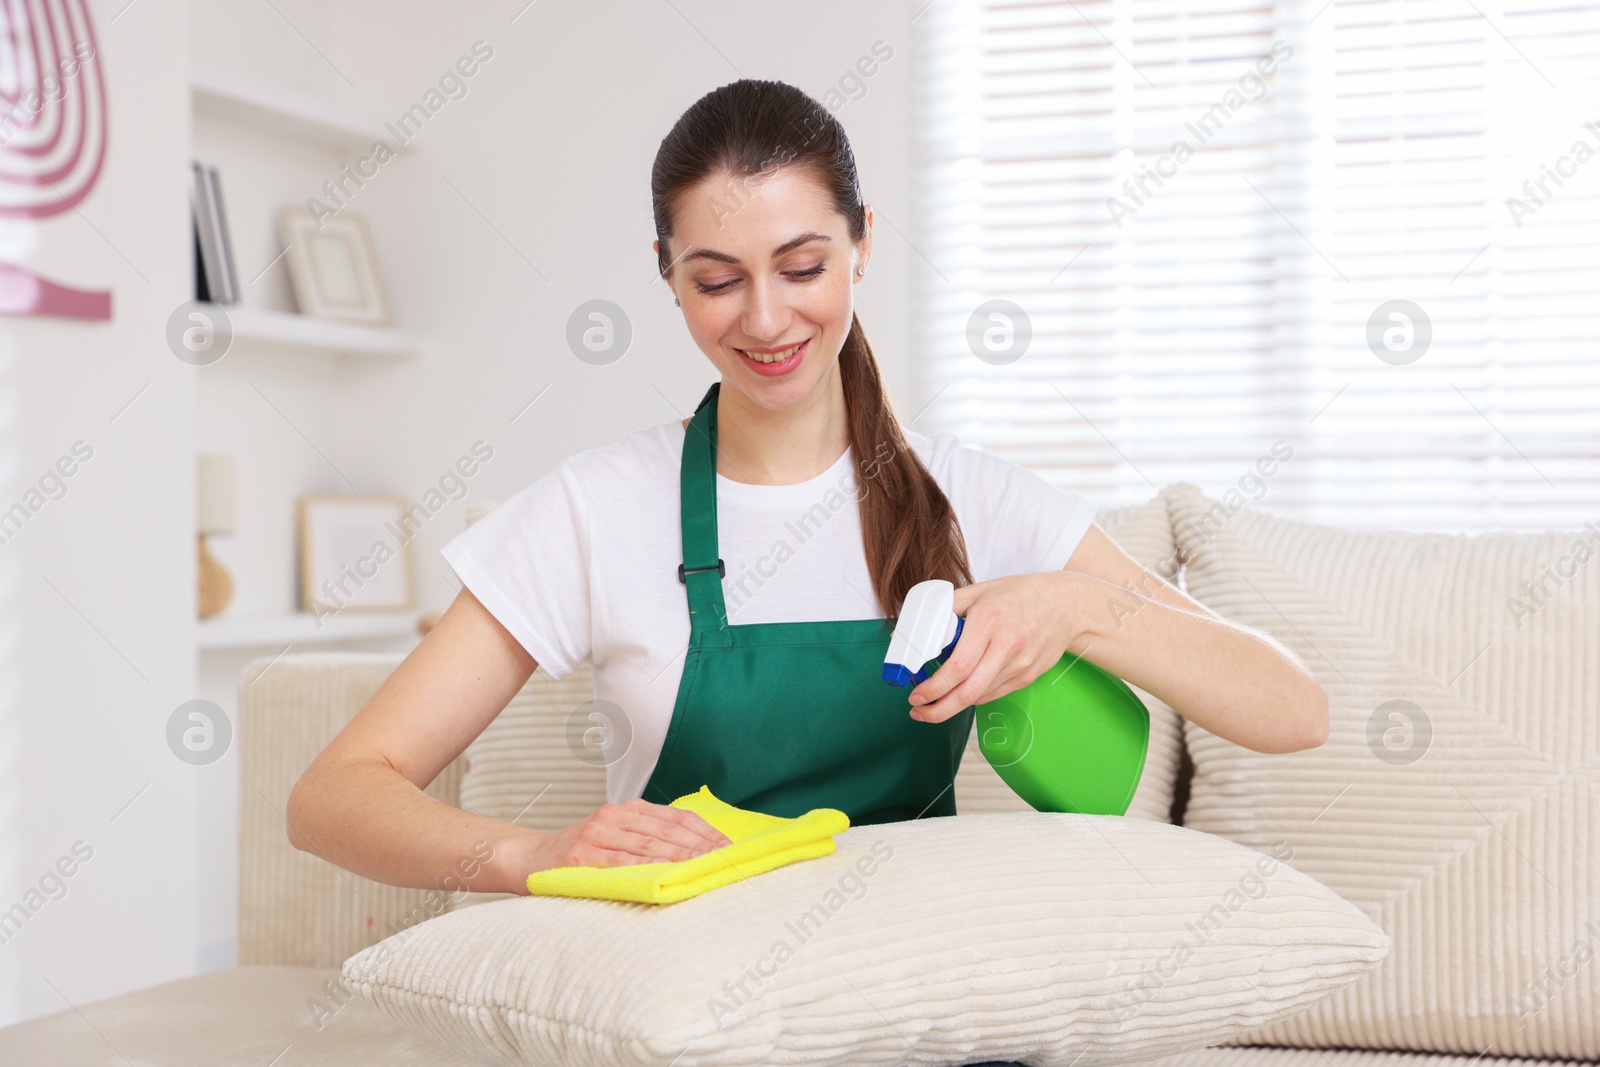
<point>783,717</point>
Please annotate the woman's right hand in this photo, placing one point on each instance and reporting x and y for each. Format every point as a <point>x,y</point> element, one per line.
<point>635,831</point>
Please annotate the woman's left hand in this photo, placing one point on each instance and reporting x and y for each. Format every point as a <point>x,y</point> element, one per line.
<point>1015,628</point>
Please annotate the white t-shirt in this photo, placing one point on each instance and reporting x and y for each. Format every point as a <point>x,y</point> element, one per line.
<point>583,564</point>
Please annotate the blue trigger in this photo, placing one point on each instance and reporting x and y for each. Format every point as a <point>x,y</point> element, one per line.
<point>959,623</point>
<point>923,672</point>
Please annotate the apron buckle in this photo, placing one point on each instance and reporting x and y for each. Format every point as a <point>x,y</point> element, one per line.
<point>720,568</point>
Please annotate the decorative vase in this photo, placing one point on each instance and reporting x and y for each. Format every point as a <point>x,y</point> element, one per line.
<point>216,588</point>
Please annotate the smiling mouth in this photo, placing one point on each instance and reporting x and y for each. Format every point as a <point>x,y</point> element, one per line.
<point>773,357</point>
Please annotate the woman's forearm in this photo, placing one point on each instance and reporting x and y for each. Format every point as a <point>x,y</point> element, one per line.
<point>1234,682</point>
<point>366,817</point>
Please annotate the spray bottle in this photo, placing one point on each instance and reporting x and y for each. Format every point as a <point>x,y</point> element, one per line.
<point>1074,739</point>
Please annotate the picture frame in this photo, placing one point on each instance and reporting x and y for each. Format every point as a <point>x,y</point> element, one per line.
<point>333,266</point>
<point>353,553</point>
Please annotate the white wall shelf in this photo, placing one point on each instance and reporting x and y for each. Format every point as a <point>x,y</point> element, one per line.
<point>272,146</point>
<point>299,331</point>
<point>225,95</point>
<point>301,628</point>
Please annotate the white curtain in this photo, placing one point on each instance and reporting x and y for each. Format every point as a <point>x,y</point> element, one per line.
<point>1361,240</point>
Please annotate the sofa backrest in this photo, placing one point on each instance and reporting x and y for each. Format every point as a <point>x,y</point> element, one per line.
<point>295,907</point>
<point>1455,801</point>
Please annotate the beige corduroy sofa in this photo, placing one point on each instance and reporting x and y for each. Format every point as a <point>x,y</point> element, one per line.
<point>1454,802</point>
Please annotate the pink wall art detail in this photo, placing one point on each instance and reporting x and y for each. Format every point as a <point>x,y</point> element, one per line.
<point>52,139</point>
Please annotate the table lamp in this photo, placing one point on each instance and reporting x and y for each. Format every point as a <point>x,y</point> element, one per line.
<point>214,515</point>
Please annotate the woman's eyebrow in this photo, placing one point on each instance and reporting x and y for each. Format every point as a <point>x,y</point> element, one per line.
<point>788,246</point>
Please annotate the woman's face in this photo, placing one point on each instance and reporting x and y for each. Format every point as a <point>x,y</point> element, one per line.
<point>778,262</point>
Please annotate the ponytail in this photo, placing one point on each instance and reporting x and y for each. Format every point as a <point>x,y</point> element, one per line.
<point>908,527</point>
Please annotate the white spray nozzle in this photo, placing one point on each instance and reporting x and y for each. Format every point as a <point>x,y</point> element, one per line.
<point>927,629</point>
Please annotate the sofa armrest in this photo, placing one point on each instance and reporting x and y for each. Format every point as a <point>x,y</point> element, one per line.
<point>295,907</point>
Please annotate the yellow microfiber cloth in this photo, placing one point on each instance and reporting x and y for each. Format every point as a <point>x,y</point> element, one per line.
<point>760,843</point>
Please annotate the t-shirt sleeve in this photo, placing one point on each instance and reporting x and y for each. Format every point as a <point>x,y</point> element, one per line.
<point>1027,524</point>
<point>528,562</point>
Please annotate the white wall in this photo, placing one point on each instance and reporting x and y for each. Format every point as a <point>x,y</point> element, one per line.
<point>545,162</point>
<point>531,195</point>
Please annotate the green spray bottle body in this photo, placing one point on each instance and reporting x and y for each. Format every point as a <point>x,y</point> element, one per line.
<point>1074,739</point>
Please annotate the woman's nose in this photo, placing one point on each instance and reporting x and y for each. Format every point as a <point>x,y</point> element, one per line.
<point>764,312</point>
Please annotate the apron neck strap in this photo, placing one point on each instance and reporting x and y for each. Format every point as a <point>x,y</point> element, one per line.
<point>702,568</point>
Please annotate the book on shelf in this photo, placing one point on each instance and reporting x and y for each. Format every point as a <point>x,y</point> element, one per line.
<point>215,279</point>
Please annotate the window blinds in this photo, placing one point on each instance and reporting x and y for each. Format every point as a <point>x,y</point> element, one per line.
<point>1360,238</point>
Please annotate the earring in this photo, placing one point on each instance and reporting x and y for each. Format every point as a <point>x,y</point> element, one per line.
<point>860,271</point>
<point>678,302</point>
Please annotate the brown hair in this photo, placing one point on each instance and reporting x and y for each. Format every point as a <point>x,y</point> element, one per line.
<point>747,129</point>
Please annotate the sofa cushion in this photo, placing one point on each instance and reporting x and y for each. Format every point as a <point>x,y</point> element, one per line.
<point>1059,938</point>
<point>297,1016</point>
<point>534,763</point>
<point>1455,800</point>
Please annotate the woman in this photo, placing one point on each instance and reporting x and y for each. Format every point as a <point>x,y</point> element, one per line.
<point>631,556</point>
